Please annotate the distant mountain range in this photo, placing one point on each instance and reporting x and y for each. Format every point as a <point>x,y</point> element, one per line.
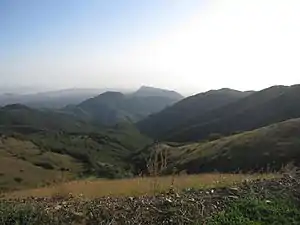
<point>245,111</point>
<point>51,99</point>
<point>224,130</point>
<point>106,109</point>
<point>110,108</point>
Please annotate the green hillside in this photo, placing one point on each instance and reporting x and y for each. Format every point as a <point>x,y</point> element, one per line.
<point>160,124</point>
<point>46,146</point>
<point>47,157</point>
<point>260,109</point>
<point>26,165</point>
<point>269,147</point>
<point>113,107</point>
<point>23,119</point>
<point>55,144</point>
<point>104,153</point>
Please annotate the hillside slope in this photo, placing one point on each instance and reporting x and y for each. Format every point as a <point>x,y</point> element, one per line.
<point>25,165</point>
<point>46,157</point>
<point>271,105</point>
<point>160,124</point>
<point>112,107</point>
<point>42,145</point>
<point>23,119</point>
<point>104,153</point>
<point>269,147</point>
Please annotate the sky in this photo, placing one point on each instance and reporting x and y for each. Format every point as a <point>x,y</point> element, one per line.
<point>189,46</point>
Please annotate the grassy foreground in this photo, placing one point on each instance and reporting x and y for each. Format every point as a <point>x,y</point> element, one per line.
<point>261,202</point>
<point>253,210</point>
<point>137,186</point>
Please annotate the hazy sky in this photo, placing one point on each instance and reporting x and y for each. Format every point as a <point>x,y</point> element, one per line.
<point>187,45</point>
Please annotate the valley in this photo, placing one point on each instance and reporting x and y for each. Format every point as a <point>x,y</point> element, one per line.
<point>143,144</point>
<point>68,144</point>
<point>161,112</point>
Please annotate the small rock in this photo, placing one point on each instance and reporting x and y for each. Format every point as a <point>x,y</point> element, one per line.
<point>192,200</point>
<point>233,197</point>
<point>58,207</point>
<point>233,189</point>
<point>168,200</point>
<point>79,214</point>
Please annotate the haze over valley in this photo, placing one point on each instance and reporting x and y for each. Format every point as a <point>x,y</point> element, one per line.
<point>149,112</point>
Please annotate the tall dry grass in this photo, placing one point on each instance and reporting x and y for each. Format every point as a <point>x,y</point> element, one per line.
<point>137,186</point>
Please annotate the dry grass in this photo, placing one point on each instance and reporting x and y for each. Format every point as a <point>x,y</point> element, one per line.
<point>136,186</point>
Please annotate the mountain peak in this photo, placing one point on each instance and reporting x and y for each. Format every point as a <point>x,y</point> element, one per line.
<point>147,91</point>
<point>111,94</point>
<point>15,106</point>
<point>149,88</point>
<point>105,97</point>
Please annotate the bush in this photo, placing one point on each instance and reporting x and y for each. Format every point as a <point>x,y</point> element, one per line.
<point>23,214</point>
<point>214,136</point>
<point>18,179</point>
<point>45,165</point>
<point>254,211</point>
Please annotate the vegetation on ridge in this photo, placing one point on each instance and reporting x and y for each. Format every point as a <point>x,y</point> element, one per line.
<point>111,108</point>
<point>271,105</point>
<point>42,158</point>
<point>160,124</point>
<point>264,149</point>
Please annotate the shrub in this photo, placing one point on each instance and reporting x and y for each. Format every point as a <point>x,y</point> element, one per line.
<point>254,211</point>
<point>18,179</point>
<point>23,214</point>
<point>45,165</point>
<point>214,136</point>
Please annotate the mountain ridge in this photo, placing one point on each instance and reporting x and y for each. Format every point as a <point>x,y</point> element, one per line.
<point>161,123</point>
<point>147,91</point>
<point>110,108</point>
<point>268,148</point>
<point>270,105</point>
